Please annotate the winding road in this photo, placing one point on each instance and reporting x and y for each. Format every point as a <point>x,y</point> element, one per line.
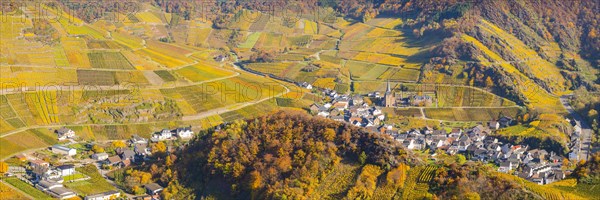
<point>586,131</point>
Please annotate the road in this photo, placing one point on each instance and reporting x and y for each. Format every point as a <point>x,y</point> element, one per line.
<point>201,115</point>
<point>586,131</point>
<point>234,106</point>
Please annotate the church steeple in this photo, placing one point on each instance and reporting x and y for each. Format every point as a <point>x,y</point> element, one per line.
<point>388,98</point>
<point>388,87</point>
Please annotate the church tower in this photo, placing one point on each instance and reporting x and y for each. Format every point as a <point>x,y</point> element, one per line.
<point>388,98</point>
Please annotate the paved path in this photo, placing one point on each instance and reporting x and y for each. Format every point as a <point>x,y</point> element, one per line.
<point>586,131</point>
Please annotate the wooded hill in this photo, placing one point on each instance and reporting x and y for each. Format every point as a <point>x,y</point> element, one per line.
<point>289,155</point>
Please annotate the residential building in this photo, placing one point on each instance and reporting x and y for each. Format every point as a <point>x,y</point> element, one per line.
<point>153,188</point>
<point>65,133</point>
<point>165,134</point>
<point>66,170</point>
<point>135,139</point>
<point>100,156</point>
<point>128,154</point>
<point>184,132</point>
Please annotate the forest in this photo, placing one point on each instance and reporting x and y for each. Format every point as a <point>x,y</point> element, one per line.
<point>282,155</point>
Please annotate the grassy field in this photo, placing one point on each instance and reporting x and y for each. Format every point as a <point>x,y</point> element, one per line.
<point>250,40</point>
<point>96,184</point>
<point>165,75</point>
<point>8,193</point>
<point>148,17</point>
<point>109,60</point>
<point>337,182</point>
<point>470,114</point>
<point>25,140</point>
<point>13,77</point>
<point>220,93</point>
<point>570,185</point>
<point>26,188</point>
<point>455,96</point>
<point>365,71</point>
<point>197,73</point>
<point>75,176</point>
<point>92,77</point>
<point>126,40</point>
<point>164,57</point>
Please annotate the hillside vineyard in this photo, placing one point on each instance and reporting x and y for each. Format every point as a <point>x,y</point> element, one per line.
<point>327,99</point>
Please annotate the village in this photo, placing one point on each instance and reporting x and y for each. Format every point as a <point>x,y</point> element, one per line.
<point>476,144</point>
<point>49,170</point>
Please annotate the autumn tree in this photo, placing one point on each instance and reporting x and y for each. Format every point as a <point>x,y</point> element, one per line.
<point>118,144</point>
<point>329,134</point>
<point>97,149</point>
<point>488,82</point>
<point>159,147</point>
<point>362,158</point>
<point>3,168</point>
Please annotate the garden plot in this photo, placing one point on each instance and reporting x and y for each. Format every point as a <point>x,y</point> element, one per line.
<point>91,77</point>
<point>25,140</point>
<point>197,73</point>
<point>364,70</point>
<point>470,114</point>
<point>109,60</point>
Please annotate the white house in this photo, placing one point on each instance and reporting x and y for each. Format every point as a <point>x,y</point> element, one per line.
<point>100,156</point>
<point>65,133</point>
<point>306,85</point>
<point>323,113</point>
<point>135,139</point>
<point>185,132</point>
<point>494,124</point>
<point>66,170</point>
<point>58,149</point>
<point>376,111</point>
<point>505,167</point>
<point>165,134</point>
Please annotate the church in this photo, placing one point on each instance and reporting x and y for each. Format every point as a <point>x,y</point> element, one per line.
<point>388,99</point>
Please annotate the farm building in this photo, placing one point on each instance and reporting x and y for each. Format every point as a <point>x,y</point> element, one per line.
<point>58,149</point>
<point>55,189</point>
<point>104,196</point>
